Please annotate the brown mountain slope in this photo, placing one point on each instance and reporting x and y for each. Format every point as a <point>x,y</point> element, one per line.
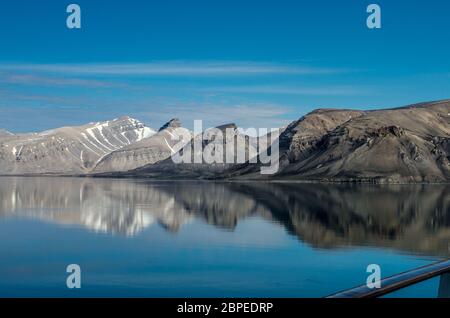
<point>299,139</point>
<point>402,145</point>
<point>410,144</point>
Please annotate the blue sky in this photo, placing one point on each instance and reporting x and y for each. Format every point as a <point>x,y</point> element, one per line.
<point>256,63</point>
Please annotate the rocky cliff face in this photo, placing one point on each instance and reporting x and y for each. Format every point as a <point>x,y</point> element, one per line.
<point>409,144</point>
<point>68,150</point>
<point>298,139</point>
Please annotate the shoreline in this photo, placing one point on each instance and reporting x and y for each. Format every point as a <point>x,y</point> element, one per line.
<point>226,180</point>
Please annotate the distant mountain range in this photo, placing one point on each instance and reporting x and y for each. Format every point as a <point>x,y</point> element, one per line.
<point>68,150</point>
<point>402,145</point>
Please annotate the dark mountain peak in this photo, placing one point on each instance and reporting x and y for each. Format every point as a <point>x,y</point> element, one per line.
<point>227,126</point>
<point>173,123</point>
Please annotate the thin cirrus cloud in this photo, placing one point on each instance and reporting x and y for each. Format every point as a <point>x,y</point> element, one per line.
<point>174,68</point>
<point>59,81</point>
<point>292,90</point>
<point>38,80</point>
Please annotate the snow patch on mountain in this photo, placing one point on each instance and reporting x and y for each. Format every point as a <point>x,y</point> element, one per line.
<point>68,150</point>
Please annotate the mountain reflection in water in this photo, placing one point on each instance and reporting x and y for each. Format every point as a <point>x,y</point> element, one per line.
<point>412,218</point>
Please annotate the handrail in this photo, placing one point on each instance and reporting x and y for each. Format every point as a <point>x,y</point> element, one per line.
<point>397,282</point>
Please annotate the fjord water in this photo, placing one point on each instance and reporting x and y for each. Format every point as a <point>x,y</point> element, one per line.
<point>205,239</point>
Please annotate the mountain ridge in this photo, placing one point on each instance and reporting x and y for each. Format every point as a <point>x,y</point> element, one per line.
<point>409,144</point>
<point>67,150</point>
<point>400,145</point>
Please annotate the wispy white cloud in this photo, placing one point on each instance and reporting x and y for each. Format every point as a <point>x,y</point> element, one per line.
<point>39,80</point>
<point>12,99</point>
<point>174,68</point>
<point>291,90</point>
<point>156,101</point>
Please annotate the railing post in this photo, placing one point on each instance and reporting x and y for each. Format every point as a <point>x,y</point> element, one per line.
<point>444,286</point>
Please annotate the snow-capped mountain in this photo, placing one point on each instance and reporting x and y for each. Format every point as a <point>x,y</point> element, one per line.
<point>68,150</point>
<point>147,151</point>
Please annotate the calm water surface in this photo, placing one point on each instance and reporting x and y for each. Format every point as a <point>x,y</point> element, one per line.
<point>189,239</point>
